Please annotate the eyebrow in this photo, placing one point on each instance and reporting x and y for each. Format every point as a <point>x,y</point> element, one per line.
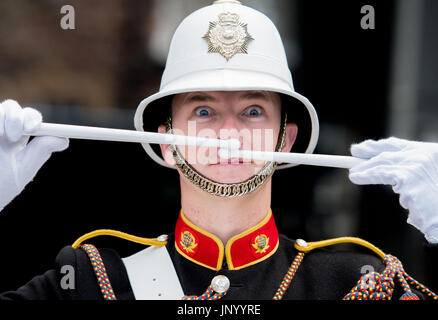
<point>261,95</point>
<point>204,97</point>
<point>200,97</point>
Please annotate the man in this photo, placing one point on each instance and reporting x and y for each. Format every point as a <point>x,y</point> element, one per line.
<point>227,76</point>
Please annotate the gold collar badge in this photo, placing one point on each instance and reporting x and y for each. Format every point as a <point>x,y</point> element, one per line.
<point>261,243</point>
<point>188,241</point>
<point>228,36</point>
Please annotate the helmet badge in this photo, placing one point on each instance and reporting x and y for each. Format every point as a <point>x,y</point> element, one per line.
<point>228,36</point>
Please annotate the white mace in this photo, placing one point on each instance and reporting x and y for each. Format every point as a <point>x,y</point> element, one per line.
<point>228,148</point>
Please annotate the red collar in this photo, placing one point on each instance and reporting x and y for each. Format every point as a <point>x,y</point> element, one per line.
<point>247,248</point>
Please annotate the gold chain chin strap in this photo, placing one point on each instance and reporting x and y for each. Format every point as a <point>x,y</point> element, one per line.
<point>228,190</point>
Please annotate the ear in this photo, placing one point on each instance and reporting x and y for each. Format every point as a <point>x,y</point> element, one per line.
<point>165,150</point>
<point>291,135</point>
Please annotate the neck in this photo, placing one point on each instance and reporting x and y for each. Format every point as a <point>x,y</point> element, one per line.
<point>224,217</point>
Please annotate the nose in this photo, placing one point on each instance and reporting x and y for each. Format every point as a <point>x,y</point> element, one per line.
<point>229,122</point>
<point>232,127</point>
<point>229,127</point>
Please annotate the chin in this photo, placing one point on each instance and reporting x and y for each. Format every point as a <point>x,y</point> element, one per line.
<point>230,173</point>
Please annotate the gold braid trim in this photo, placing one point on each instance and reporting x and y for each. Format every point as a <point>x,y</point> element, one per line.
<point>309,246</point>
<point>118,234</point>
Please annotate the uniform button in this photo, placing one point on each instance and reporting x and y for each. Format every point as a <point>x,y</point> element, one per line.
<point>301,243</point>
<point>220,283</point>
<point>163,238</point>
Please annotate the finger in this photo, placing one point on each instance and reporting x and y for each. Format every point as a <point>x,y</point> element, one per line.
<point>37,152</point>
<point>371,148</point>
<point>383,174</point>
<point>13,122</point>
<point>32,120</point>
<point>405,200</point>
<point>384,159</point>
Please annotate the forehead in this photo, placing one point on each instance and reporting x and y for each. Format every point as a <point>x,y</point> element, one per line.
<point>218,96</point>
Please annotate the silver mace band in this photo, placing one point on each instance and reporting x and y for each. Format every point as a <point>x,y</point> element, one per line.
<point>228,148</point>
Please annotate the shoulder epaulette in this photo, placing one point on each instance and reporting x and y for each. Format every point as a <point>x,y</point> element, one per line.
<point>96,259</point>
<point>373,285</point>
<point>159,241</point>
<point>305,247</point>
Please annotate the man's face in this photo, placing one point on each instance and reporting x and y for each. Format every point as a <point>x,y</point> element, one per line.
<point>253,117</point>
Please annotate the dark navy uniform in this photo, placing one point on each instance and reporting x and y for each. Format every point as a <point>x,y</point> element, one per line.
<point>255,262</point>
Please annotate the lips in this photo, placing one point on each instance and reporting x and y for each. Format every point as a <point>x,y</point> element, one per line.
<point>232,161</point>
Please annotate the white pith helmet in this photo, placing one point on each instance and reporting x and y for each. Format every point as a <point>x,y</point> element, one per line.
<point>228,47</point>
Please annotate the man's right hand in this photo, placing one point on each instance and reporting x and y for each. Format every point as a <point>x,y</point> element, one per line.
<point>20,160</point>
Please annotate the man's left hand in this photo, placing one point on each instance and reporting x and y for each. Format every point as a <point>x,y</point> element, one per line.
<point>411,168</point>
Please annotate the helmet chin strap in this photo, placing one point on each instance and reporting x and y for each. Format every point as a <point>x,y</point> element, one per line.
<point>227,190</point>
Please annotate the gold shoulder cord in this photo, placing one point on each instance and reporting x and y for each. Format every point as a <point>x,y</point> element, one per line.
<point>118,234</point>
<point>309,246</point>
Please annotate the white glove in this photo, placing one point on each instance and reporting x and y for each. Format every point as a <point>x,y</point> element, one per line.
<point>412,169</point>
<point>20,161</point>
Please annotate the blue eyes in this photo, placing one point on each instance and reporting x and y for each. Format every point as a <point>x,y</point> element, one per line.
<point>253,111</point>
<point>203,111</point>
